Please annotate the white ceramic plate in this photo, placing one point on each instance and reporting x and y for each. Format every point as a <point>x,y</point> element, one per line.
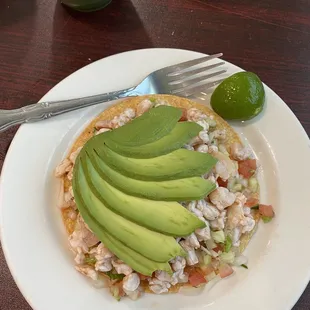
<point>33,236</point>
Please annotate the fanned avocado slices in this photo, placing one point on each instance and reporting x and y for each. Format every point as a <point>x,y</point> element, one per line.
<point>161,168</point>
<point>151,244</point>
<point>167,217</point>
<point>185,189</point>
<point>149,127</point>
<point>133,259</point>
<point>127,184</point>
<point>181,134</point>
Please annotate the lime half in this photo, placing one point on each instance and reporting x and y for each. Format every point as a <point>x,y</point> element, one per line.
<point>239,97</point>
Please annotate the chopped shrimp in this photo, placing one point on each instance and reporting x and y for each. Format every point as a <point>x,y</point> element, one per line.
<point>195,141</point>
<point>236,236</point>
<point>129,113</point>
<point>204,137</point>
<point>80,257</point>
<point>87,271</point>
<point>227,167</point>
<point>203,234</point>
<point>222,198</point>
<point>195,115</point>
<point>163,276</point>
<point>219,223</point>
<point>104,124</point>
<point>248,224</point>
<point>178,263</point>
<point>239,152</point>
<point>217,134</point>
<point>104,265</point>
<point>202,148</point>
<point>82,238</point>
<point>74,155</point>
<point>103,258</point>
<point>122,119</point>
<point>246,211</point>
<point>192,208</point>
<point>102,130</point>
<point>213,149</point>
<point>203,124</point>
<point>210,212</point>
<point>70,174</point>
<point>63,168</point>
<point>121,267</point>
<point>144,106</point>
<point>72,215</point>
<point>179,277</point>
<point>221,170</point>
<point>159,287</point>
<point>101,252</point>
<point>235,215</point>
<point>192,258</point>
<point>131,283</point>
<point>192,241</point>
<point>240,199</point>
<point>188,147</point>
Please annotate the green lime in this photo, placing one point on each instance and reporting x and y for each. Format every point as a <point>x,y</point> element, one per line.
<point>239,97</point>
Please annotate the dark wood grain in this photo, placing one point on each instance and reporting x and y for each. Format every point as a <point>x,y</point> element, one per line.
<point>41,43</point>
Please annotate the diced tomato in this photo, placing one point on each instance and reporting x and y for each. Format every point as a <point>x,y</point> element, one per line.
<point>247,167</point>
<point>225,270</point>
<point>218,248</point>
<point>183,116</point>
<point>221,182</point>
<point>252,202</point>
<point>266,210</point>
<point>207,269</point>
<point>196,279</point>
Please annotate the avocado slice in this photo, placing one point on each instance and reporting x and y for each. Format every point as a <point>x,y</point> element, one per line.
<point>151,244</point>
<point>133,259</point>
<point>187,189</point>
<point>175,165</point>
<point>181,134</point>
<point>149,127</point>
<point>167,217</point>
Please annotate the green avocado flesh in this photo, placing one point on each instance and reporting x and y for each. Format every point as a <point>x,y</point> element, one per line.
<point>137,261</point>
<point>181,134</point>
<point>165,167</point>
<point>128,183</point>
<point>166,217</point>
<point>186,189</point>
<point>142,240</point>
<point>149,127</point>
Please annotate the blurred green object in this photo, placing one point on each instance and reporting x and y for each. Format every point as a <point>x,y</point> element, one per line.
<point>86,5</point>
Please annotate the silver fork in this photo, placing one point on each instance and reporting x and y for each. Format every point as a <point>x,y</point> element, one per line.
<point>180,80</point>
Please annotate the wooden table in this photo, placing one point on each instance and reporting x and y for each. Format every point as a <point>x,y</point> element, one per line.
<point>41,43</point>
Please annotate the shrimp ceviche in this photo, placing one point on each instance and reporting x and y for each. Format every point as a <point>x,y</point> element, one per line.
<point>157,193</point>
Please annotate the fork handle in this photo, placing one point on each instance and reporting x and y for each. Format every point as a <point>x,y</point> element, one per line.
<point>43,110</point>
